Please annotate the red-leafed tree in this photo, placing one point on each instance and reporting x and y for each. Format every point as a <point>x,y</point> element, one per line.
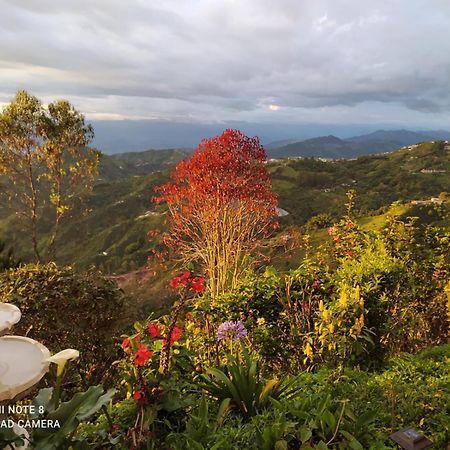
<point>221,205</point>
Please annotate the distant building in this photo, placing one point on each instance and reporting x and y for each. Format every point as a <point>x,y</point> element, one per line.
<point>281,212</point>
<point>432,171</point>
<point>431,201</point>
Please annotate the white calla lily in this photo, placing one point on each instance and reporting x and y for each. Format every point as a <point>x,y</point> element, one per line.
<point>63,356</point>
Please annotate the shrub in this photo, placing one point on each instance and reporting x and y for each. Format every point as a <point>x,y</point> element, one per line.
<point>64,309</point>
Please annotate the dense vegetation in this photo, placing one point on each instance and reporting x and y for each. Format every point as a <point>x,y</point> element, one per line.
<point>319,357</point>
<point>338,343</point>
<point>113,236</point>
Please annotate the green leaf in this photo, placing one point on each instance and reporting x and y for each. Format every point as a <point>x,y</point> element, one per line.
<point>224,409</point>
<point>365,419</point>
<point>305,433</point>
<point>352,441</point>
<point>69,415</point>
<point>281,445</point>
<point>42,400</point>
<point>329,419</point>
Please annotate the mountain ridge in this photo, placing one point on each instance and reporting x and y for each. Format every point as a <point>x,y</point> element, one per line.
<point>379,141</point>
<point>325,146</point>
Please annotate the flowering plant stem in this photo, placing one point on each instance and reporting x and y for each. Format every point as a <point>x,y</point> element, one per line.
<point>165,352</point>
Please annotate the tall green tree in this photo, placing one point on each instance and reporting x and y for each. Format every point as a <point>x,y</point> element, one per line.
<point>46,163</point>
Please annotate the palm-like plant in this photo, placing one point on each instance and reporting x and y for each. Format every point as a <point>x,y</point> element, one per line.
<point>243,384</point>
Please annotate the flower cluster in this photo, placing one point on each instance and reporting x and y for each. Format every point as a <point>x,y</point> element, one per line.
<point>231,330</point>
<point>180,281</point>
<point>197,284</point>
<point>140,352</point>
<point>142,355</point>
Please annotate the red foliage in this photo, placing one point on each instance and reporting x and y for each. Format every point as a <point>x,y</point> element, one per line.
<point>225,170</point>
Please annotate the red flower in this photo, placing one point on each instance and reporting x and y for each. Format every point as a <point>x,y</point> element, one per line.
<point>153,330</point>
<point>180,281</point>
<point>198,284</point>
<point>126,343</point>
<point>176,334</point>
<point>185,276</point>
<point>143,354</point>
<point>187,316</point>
<point>138,395</point>
<point>316,284</point>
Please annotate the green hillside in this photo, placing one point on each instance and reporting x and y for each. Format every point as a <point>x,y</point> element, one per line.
<point>123,165</point>
<point>113,236</point>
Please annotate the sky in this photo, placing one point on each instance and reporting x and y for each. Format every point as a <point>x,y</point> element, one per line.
<point>211,61</point>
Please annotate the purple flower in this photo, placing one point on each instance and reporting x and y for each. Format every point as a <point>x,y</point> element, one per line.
<point>232,330</point>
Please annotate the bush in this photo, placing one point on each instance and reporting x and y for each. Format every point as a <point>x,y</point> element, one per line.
<point>64,309</point>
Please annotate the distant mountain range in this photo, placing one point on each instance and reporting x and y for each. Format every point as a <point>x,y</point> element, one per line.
<point>130,138</point>
<point>333,147</point>
<point>118,136</point>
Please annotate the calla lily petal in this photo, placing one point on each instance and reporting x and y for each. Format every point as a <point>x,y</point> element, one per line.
<point>64,356</point>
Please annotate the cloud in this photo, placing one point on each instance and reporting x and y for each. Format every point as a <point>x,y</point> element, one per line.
<point>209,60</point>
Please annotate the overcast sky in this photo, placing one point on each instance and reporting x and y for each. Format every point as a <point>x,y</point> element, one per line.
<point>321,61</point>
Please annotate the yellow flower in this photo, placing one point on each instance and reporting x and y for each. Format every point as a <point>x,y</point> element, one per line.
<point>343,300</point>
<point>308,350</point>
<point>326,315</point>
<point>321,305</point>
<point>331,327</point>
<point>359,324</point>
<point>261,321</point>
